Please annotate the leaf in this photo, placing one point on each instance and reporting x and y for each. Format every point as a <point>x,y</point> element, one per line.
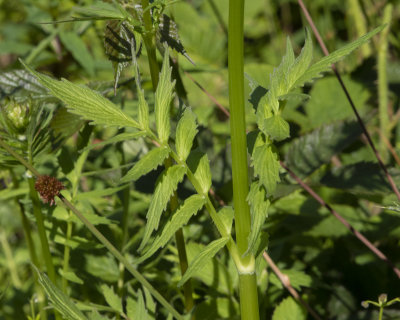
<point>180,218</point>
<point>59,300</point>
<point>78,49</point>
<point>325,64</point>
<point>101,11</point>
<point>168,33</point>
<point>118,138</point>
<point>226,214</point>
<point>164,190</point>
<point>90,195</point>
<point>94,315</point>
<point>21,85</point>
<point>137,309</point>
<point>120,42</point>
<point>266,167</point>
<point>65,123</point>
<point>71,276</point>
<point>259,205</point>
<point>202,258</point>
<point>200,166</point>
<point>311,151</point>
<point>149,162</point>
<point>289,309</point>
<point>113,300</point>
<point>85,102</point>
<point>360,178</point>
<point>185,133</point>
<point>277,128</point>
<point>297,279</point>
<point>163,98</point>
<point>302,62</point>
<point>102,267</point>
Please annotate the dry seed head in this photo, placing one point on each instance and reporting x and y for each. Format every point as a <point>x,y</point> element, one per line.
<point>48,188</point>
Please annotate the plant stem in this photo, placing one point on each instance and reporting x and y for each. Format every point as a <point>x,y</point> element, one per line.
<point>10,261</point>
<point>150,44</point>
<point>359,22</point>
<point>247,282</point>
<point>382,81</point>
<point>67,251</point>
<point>142,280</point>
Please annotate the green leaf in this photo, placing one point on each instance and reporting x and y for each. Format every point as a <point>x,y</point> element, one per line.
<point>302,62</point>
<point>311,151</point>
<point>71,276</point>
<point>297,279</point>
<point>65,123</point>
<point>226,214</point>
<point>78,49</point>
<point>59,300</point>
<point>180,218</point>
<point>323,65</point>
<point>118,138</point>
<point>101,11</point>
<point>266,167</point>
<point>94,315</point>
<point>163,98</point>
<point>103,267</point>
<point>360,178</point>
<point>90,195</point>
<point>202,258</point>
<point>259,205</point>
<point>85,102</point>
<point>112,299</point>
<point>289,309</point>
<point>164,190</point>
<point>149,162</point>
<point>200,166</point>
<point>22,85</point>
<point>185,133</point>
<point>137,309</point>
<point>277,128</point>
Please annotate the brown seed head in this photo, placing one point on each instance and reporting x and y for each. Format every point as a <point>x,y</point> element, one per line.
<point>48,188</point>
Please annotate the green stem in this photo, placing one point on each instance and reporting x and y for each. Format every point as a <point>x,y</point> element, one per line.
<point>150,44</point>
<point>382,82</point>
<point>359,22</point>
<point>67,251</point>
<point>248,283</point>
<point>380,312</point>
<point>12,267</point>
<point>37,211</point>
<point>142,280</point>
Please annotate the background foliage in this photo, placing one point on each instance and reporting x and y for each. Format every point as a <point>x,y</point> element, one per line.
<point>332,270</point>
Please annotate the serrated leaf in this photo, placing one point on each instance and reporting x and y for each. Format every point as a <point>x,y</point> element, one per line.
<point>71,276</point>
<point>103,267</point>
<point>302,62</point>
<point>89,195</point>
<point>297,279</point>
<point>266,167</point>
<point>277,128</point>
<point>118,138</point>
<point>226,214</point>
<point>168,33</point>
<point>200,166</point>
<point>149,162</point>
<point>323,65</point>
<point>137,309</point>
<point>78,49</point>
<point>185,132</point>
<point>289,309</point>
<point>164,190</point>
<point>65,123</point>
<point>21,85</point>
<point>95,315</point>
<point>112,299</point>
<point>294,96</point>
<point>202,258</point>
<point>163,98</point>
<point>59,300</point>
<point>85,102</point>
<point>259,205</point>
<point>309,152</point>
<point>120,42</point>
<point>189,208</point>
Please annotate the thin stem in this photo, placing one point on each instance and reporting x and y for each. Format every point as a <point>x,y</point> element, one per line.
<point>142,280</point>
<point>361,123</point>
<point>247,282</point>
<point>286,283</point>
<point>382,81</point>
<point>67,251</point>
<point>359,22</point>
<point>364,240</point>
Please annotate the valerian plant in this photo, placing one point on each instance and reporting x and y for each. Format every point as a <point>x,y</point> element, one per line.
<point>172,137</point>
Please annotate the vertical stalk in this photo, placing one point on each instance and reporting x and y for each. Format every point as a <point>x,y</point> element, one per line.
<point>360,24</point>
<point>150,43</point>
<point>382,81</point>
<point>247,280</point>
<point>67,251</point>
